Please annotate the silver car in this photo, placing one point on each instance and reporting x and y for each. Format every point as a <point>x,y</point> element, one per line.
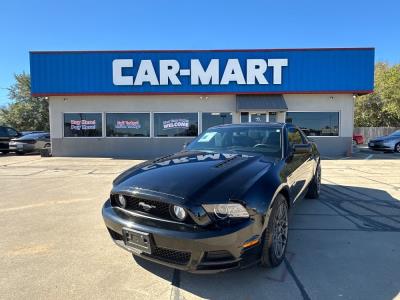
<point>30,143</point>
<point>389,142</point>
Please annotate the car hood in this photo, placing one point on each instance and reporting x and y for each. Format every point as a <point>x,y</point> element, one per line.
<point>195,176</point>
<point>385,138</point>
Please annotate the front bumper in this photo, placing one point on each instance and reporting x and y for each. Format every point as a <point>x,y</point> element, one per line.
<point>381,145</point>
<point>188,247</point>
<point>20,147</point>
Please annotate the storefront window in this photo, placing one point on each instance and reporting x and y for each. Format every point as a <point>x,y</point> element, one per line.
<point>175,124</point>
<point>83,125</point>
<point>315,123</point>
<point>214,119</point>
<point>244,117</point>
<point>128,124</point>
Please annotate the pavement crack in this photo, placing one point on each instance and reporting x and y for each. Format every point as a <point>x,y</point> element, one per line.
<point>176,282</point>
<point>296,279</point>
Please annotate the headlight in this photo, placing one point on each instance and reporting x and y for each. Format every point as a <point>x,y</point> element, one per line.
<point>179,212</point>
<point>223,211</point>
<point>121,201</point>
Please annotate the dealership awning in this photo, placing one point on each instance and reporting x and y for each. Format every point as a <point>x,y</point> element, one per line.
<point>261,102</point>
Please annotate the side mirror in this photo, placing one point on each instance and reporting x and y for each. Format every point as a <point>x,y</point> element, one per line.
<point>302,148</point>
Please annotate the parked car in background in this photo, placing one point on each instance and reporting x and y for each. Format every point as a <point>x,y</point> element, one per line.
<point>6,135</point>
<point>389,142</point>
<point>358,139</point>
<point>30,143</point>
<point>219,204</point>
<point>29,132</point>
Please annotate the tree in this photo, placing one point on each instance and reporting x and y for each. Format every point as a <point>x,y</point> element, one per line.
<point>382,107</point>
<point>25,112</point>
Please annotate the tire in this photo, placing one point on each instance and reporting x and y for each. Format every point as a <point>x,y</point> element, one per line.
<point>397,148</point>
<point>314,188</point>
<point>276,234</point>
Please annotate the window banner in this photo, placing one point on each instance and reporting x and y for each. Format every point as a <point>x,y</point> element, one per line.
<point>83,124</point>
<point>176,123</point>
<point>128,124</point>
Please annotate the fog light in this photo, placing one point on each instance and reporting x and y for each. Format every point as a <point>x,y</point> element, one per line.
<point>179,212</point>
<point>121,201</point>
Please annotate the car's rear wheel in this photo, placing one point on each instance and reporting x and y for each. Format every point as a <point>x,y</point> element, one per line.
<point>314,188</point>
<point>276,234</point>
<point>397,148</point>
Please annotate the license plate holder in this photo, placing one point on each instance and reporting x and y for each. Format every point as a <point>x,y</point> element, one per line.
<point>137,241</point>
<point>372,144</point>
<point>19,146</point>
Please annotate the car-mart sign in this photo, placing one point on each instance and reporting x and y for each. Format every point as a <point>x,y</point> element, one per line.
<point>170,72</point>
<point>203,72</point>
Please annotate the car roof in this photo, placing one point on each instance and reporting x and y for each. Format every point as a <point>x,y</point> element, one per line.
<point>244,125</point>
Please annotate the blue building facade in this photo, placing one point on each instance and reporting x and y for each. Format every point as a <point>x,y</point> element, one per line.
<point>121,100</point>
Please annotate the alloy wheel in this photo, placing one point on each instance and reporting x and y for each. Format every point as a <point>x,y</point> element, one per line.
<point>280,232</point>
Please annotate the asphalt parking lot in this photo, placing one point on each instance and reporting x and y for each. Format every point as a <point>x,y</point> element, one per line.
<point>54,244</point>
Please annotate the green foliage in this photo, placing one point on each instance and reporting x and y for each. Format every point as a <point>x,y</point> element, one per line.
<point>25,112</point>
<point>382,107</point>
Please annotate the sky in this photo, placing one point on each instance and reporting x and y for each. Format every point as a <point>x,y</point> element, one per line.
<point>206,24</point>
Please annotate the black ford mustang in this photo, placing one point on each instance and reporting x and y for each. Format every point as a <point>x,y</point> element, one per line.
<point>219,204</point>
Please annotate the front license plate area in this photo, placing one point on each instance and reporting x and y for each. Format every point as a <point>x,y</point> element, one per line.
<point>372,144</point>
<point>137,241</point>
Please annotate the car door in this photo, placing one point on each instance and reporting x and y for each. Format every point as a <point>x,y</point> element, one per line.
<point>3,139</point>
<point>43,141</point>
<point>297,164</point>
<point>311,163</point>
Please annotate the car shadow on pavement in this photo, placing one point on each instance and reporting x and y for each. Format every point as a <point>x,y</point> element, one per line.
<point>346,244</point>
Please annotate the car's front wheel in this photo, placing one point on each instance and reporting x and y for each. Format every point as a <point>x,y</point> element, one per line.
<point>397,148</point>
<point>276,234</point>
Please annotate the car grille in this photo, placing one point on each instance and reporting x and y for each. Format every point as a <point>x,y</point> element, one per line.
<point>170,256</point>
<point>148,207</point>
<point>377,142</point>
<point>158,209</point>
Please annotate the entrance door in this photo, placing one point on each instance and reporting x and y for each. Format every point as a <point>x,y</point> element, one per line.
<point>246,117</point>
<point>258,118</point>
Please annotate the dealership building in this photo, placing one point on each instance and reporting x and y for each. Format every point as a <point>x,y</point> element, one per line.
<point>143,104</point>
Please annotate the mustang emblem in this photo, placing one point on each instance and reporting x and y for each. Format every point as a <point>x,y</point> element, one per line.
<point>146,206</point>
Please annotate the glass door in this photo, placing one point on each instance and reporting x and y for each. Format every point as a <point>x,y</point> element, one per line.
<point>247,117</point>
<point>258,118</point>
<point>272,116</point>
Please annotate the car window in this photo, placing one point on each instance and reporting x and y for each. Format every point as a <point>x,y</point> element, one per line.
<point>3,132</point>
<point>304,137</point>
<point>396,133</point>
<point>294,136</point>
<point>11,132</point>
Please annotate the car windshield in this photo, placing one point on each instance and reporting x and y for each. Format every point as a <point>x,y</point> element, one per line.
<point>258,139</point>
<point>396,133</point>
<point>32,136</point>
